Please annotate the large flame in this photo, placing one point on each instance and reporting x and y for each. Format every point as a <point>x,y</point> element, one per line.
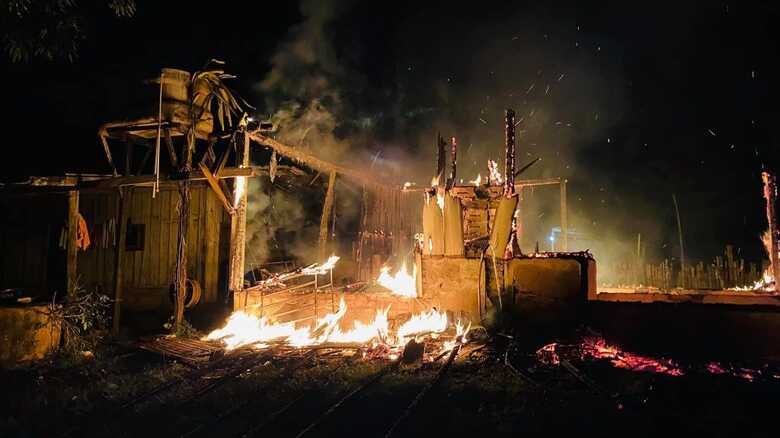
<point>239,190</point>
<point>400,283</point>
<point>477,182</point>
<point>243,329</point>
<point>431,321</point>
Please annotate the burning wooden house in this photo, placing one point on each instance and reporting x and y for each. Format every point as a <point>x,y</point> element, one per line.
<point>167,230</point>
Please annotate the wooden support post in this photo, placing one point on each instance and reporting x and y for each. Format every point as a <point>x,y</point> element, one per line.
<point>171,150</point>
<point>564,216</point>
<point>453,163</point>
<point>123,214</point>
<point>238,224</point>
<point>214,183</point>
<point>184,214</point>
<point>770,194</point>
<point>73,227</point>
<point>108,153</point>
<point>326,208</point>
<point>441,160</point>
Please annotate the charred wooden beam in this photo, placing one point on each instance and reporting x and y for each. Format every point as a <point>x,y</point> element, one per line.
<point>453,162</point>
<point>509,164</point>
<point>441,160</point>
<point>107,151</point>
<point>317,163</point>
<point>527,166</point>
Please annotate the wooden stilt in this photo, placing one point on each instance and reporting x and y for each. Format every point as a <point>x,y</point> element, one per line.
<point>73,227</point>
<point>123,214</point>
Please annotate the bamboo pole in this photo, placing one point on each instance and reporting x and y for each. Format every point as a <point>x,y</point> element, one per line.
<point>680,235</point>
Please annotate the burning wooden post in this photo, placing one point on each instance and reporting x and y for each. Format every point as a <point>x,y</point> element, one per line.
<point>509,163</point>
<point>502,225</point>
<point>770,194</point>
<point>238,220</point>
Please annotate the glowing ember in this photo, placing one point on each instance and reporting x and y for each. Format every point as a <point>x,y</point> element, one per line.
<point>748,374</point>
<point>460,336</point>
<point>400,283</point>
<point>494,176</point>
<point>599,349</point>
<point>408,184</point>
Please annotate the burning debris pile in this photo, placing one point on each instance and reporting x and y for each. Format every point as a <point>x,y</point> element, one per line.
<point>245,329</point>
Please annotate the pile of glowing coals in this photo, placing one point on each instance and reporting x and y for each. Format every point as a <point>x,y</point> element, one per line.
<point>595,348</point>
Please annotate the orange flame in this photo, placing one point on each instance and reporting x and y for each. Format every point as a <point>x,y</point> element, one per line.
<point>400,283</point>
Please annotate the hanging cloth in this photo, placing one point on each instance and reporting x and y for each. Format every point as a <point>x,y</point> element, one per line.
<point>82,235</point>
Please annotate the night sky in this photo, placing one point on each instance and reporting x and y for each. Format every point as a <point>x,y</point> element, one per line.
<point>630,102</point>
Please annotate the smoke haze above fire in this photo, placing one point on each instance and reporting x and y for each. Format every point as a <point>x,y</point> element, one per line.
<point>645,99</point>
<point>377,94</point>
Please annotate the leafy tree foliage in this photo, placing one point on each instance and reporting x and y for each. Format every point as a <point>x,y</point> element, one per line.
<point>50,29</point>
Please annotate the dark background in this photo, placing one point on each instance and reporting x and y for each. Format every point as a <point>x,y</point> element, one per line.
<point>656,98</point>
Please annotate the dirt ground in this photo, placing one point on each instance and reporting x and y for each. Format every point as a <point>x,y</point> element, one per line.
<point>285,393</point>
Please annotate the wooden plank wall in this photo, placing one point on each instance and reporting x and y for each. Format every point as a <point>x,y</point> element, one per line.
<point>96,264</point>
<point>149,272</point>
<point>30,230</point>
